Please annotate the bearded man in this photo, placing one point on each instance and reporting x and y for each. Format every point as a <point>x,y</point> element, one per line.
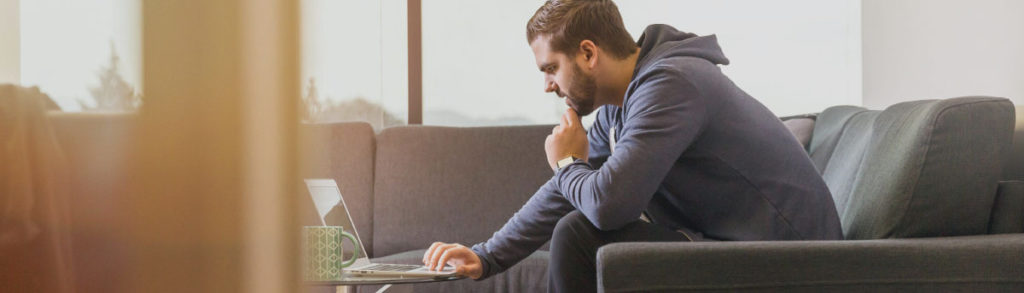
<point>678,152</point>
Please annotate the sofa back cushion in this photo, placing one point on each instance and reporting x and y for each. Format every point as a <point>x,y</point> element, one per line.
<point>343,152</point>
<point>916,169</point>
<point>452,184</point>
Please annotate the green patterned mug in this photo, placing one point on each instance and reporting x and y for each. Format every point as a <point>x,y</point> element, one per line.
<point>323,252</point>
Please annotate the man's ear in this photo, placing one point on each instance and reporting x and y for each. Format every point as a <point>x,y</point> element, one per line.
<point>588,50</point>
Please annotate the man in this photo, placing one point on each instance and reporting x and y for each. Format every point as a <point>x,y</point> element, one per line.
<point>677,153</point>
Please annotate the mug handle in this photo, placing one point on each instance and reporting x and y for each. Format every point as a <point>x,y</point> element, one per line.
<point>355,254</point>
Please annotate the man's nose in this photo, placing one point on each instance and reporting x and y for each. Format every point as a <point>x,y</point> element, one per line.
<point>550,86</point>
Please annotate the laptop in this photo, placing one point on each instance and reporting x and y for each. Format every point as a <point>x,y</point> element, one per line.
<point>326,196</point>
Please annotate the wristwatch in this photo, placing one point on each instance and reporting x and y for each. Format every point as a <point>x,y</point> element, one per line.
<point>565,162</point>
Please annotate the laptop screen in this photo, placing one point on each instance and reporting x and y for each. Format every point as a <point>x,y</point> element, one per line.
<point>325,192</point>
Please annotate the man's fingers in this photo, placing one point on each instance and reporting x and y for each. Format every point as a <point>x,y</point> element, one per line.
<point>434,254</point>
<point>565,119</point>
<point>574,118</point>
<point>426,254</point>
<point>444,259</point>
<point>570,118</point>
<point>437,254</point>
<point>430,251</point>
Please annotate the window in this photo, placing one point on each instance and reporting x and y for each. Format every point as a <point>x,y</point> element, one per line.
<point>477,67</point>
<point>86,55</point>
<point>354,61</point>
<point>795,56</point>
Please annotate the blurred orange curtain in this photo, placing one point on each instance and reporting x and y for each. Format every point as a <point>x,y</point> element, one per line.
<point>35,248</point>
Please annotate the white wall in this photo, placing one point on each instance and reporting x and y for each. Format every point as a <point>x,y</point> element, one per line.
<point>925,49</point>
<point>10,42</point>
<point>795,56</point>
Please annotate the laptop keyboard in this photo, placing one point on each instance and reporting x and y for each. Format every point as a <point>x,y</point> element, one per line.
<point>391,267</point>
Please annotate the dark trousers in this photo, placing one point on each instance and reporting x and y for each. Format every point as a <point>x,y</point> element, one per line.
<point>574,244</point>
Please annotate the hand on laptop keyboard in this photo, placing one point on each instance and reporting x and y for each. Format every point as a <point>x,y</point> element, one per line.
<point>392,267</point>
<point>465,261</point>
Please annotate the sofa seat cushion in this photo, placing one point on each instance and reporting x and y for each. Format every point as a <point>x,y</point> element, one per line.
<point>917,169</point>
<point>529,275</point>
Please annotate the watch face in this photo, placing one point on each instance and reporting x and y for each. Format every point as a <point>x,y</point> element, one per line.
<point>565,162</point>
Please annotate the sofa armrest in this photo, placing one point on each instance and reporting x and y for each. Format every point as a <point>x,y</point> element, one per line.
<point>985,262</point>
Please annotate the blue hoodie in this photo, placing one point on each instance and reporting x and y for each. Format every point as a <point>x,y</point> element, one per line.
<point>691,151</point>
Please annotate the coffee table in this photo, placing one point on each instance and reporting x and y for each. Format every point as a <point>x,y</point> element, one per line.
<point>348,284</point>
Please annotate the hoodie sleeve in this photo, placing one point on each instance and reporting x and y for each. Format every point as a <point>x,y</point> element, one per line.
<point>532,225</point>
<point>525,232</point>
<point>663,116</point>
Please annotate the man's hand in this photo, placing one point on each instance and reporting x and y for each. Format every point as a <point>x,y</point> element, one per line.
<point>465,261</point>
<point>568,138</point>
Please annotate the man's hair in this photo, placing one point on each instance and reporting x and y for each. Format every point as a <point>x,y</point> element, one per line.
<point>569,22</point>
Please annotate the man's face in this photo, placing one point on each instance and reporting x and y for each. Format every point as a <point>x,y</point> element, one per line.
<point>564,77</point>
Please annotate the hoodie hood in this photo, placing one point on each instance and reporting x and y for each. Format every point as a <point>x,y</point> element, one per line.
<point>663,41</point>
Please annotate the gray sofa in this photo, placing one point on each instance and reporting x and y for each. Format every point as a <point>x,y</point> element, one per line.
<point>918,191</point>
<point>921,189</point>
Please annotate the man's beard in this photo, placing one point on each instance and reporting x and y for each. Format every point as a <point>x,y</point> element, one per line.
<point>582,92</point>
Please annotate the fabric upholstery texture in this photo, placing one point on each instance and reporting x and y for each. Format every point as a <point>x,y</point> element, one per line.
<point>828,129</point>
<point>939,264</point>
<point>343,152</point>
<point>453,175</point>
<point>900,172</point>
<point>1008,211</point>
